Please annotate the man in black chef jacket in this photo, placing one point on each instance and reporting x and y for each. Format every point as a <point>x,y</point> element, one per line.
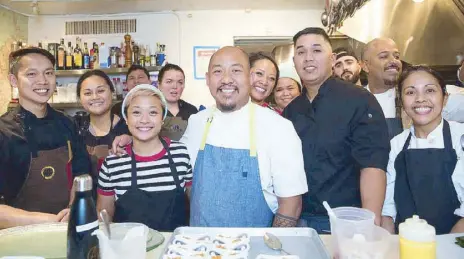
<point>343,131</point>
<point>40,149</point>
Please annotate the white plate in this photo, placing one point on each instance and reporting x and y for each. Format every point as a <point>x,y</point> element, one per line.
<point>49,240</point>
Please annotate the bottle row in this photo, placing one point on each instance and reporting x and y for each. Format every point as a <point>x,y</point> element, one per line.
<point>101,56</point>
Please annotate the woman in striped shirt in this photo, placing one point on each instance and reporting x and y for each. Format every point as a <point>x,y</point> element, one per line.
<point>148,183</point>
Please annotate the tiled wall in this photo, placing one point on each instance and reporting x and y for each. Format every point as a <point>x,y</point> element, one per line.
<point>13,27</point>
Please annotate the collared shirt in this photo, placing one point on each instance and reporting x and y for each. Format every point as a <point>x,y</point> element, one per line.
<point>433,140</point>
<point>343,130</point>
<point>280,159</point>
<point>185,110</point>
<point>453,110</point>
<point>48,133</point>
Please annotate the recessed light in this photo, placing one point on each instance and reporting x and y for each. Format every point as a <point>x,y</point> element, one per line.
<point>418,1</point>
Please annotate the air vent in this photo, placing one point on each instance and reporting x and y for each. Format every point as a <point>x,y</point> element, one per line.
<point>101,27</point>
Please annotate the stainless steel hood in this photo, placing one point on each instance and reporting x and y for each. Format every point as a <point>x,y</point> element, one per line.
<point>430,32</point>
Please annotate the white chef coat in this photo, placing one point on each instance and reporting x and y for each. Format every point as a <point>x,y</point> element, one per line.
<point>433,140</point>
<point>279,150</point>
<point>453,110</point>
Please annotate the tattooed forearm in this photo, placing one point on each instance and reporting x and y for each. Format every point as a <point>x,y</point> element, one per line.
<point>282,221</point>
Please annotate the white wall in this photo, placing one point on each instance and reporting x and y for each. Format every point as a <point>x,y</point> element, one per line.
<point>182,31</point>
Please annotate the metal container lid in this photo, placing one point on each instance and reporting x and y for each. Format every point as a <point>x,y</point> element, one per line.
<point>83,183</point>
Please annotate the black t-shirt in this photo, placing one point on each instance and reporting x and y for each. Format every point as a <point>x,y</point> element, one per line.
<point>343,130</point>
<point>90,140</point>
<point>32,135</point>
<point>185,110</point>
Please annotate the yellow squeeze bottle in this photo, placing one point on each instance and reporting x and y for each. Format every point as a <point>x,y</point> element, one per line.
<point>417,239</point>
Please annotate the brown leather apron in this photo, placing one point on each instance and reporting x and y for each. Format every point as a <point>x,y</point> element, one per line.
<point>46,188</point>
<point>173,128</point>
<point>97,156</point>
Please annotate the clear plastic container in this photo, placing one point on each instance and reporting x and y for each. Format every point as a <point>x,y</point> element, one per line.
<point>350,221</point>
<point>368,243</point>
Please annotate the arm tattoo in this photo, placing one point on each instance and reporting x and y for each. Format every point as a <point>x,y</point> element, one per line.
<point>282,221</point>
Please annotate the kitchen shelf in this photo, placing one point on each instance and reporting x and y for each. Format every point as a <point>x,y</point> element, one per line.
<point>108,71</point>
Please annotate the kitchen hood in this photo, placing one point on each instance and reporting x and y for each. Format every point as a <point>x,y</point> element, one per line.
<point>429,32</point>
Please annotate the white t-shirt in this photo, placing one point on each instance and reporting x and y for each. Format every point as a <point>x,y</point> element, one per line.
<point>433,140</point>
<point>279,150</point>
<point>453,110</point>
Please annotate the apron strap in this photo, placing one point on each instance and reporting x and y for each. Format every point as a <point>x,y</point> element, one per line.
<point>133,170</point>
<point>447,136</point>
<point>175,175</point>
<point>252,109</point>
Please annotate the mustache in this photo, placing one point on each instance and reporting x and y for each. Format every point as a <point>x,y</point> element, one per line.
<point>392,66</point>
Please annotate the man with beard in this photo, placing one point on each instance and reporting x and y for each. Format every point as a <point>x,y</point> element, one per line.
<point>381,60</point>
<point>343,132</point>
<point>347,66</point>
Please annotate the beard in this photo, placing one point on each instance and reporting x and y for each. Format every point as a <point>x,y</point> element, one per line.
<point>390,82</point>
<point>226,107</point>
<point>353,79</point>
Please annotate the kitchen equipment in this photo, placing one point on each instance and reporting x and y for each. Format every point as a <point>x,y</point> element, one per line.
<point>366,243</point>
<point>106,222</point>
<point>417,239</point>
<point>273,242</point>
<point>123,244</point>
<point>303,242</point>
<point>350,221</point>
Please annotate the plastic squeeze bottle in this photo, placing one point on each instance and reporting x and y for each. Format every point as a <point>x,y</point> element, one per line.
<point>417,239</point>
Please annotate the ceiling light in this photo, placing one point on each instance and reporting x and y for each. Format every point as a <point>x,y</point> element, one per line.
<point>418,1</point>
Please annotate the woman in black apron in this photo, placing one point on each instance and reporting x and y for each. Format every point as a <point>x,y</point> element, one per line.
<point>171,82</point>
<point>99,126</point>
<point>425,169</point>
<point>148,184</point>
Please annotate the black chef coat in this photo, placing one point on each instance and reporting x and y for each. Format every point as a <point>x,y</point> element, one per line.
<point>48,133</point>
<point>343,130</point>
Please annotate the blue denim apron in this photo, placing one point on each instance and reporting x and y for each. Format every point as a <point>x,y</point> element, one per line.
<point>226,189</point>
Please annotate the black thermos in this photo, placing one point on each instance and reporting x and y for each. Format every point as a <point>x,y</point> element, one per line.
<point>83,221</point>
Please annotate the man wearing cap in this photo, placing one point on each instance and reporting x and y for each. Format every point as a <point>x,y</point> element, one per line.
<point>41,152</point>
<point>347,66</point>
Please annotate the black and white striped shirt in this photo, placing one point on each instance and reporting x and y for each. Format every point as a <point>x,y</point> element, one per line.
<point>153,172</point>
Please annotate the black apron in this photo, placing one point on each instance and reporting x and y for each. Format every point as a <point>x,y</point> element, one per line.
<point>163,211</point>
<point>424,186</point>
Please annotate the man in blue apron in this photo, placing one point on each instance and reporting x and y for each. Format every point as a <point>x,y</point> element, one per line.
<point>343,131</point>
<point>248,169</point>
<point>42,152</point>
<point>381,60</point>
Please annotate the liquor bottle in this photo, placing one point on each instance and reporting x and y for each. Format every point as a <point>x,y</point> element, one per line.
<point>119,89</point>
<point>69,57</point>
<point>122,55</point>
<point>78,64</point>
<point>142,56</point>
<point>103,55</point>
<point>83,221</point>
<point>61,57</point>
<point>113,60</point>
<point>40,45</point>
<point>147,56</point>
<point>86,56</point>
<point>153,59</point>
<point>136,51</point>
<point>94,57</point>
<point>128,52</point>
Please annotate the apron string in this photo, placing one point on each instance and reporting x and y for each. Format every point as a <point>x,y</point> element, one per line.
<point>251,113</point>
<point>175,175</point>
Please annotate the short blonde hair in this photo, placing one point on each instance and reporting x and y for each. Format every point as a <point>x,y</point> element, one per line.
<point>143,90</point>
